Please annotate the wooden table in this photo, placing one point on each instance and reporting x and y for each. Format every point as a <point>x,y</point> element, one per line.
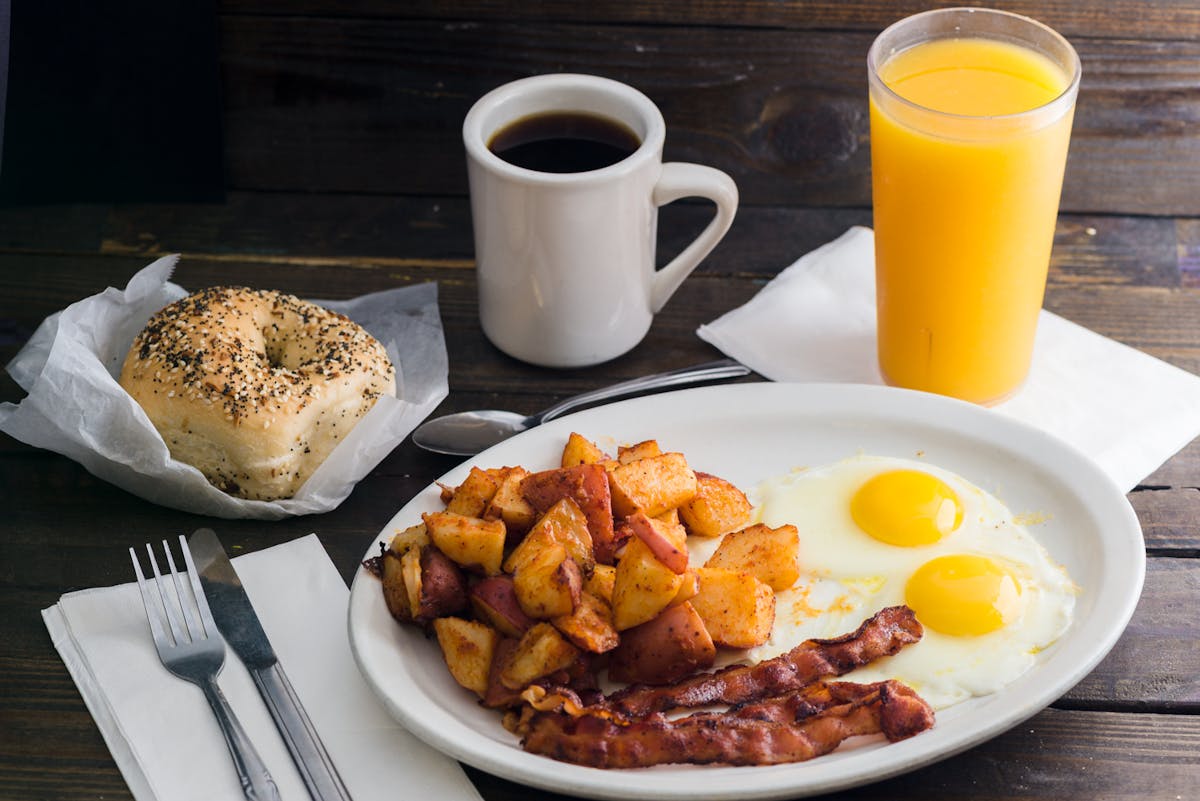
<point>345,175</point>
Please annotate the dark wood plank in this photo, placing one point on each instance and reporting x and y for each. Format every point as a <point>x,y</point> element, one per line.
<point>1162,322</point>
<point>1180,471</point>
<point>1122,280</point>
<point>1161,625</point>
<point>1055,755</point>
<point>401,234</point>
<point>1061,755</point>
<point>782,111</point>
<point>1187,236</point>
<point>1168,517</point>
<point>1172,19</point>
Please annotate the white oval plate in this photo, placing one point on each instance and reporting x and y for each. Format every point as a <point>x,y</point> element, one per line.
<point>747,433</point>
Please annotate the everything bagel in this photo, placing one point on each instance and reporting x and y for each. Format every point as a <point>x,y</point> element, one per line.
<point>254,387</point>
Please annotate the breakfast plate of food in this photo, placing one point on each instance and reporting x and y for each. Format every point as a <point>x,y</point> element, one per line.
<point>756,590</point>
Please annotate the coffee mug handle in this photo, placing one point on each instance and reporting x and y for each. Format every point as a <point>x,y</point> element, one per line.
<point>680,180</point>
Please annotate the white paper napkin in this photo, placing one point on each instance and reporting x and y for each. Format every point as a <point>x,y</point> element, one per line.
<point>162,733</point>
<point>76,407</point>
<point>815,321</point>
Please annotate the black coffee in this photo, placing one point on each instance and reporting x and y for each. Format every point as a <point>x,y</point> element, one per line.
<point>564,141</point>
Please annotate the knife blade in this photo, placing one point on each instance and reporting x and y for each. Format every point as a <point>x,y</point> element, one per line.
<point>239,624</point>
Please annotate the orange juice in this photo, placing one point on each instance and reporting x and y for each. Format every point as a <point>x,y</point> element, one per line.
<point>968,146</point>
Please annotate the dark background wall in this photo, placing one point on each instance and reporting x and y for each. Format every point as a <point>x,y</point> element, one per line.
<point>191,99</point>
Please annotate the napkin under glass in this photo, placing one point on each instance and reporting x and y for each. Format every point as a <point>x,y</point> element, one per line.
<point>815,321</point>
<point>162,733</point>
<point>75,406</point>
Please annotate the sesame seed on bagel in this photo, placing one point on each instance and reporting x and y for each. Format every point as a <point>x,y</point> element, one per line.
<point>254,387</point>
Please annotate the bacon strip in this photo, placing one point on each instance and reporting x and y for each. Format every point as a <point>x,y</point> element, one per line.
<point>797,705</point>
<point>883,634</point>
<point>740,737</point>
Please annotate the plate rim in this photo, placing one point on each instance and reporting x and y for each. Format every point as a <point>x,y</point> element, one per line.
<point>877,403</point>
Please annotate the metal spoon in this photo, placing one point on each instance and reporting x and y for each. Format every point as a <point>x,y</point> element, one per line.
<point>468,433</point>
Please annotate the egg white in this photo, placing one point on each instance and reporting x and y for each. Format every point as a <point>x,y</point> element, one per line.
<point>847,576</point>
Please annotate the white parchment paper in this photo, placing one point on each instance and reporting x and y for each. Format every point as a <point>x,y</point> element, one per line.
<point>75,406</point>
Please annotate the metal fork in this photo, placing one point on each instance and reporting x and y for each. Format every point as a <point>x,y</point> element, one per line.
<point>192,649</point>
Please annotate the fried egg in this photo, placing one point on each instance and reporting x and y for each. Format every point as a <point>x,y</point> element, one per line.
<point>880,531</point>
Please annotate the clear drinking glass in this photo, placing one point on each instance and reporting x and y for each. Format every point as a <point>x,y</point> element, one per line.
<point>971,113</point>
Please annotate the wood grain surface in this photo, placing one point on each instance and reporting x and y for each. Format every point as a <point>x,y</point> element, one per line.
<point>345,174</point>
<point>783,110</point>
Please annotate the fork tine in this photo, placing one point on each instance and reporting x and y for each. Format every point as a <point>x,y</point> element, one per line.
<point>148,601</point>
<point>195,631</point>
<point>210,625</point>
<point>169,606</point>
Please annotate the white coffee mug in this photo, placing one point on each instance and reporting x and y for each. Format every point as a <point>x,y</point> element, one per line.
<point>566,261</point>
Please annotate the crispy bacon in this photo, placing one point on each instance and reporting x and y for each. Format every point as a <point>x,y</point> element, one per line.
<point>806,702</point>
<point>883,634</point>
<point>761,734</point>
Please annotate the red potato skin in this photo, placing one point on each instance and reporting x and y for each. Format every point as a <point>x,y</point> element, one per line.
<point>622,534</point>
<point>498,696</point>
<point>495,601</point>
<point>587,485</point>
<point>571,576</point>
<point>663,650</point>
<point>670,550</point>
<point>443,587</point>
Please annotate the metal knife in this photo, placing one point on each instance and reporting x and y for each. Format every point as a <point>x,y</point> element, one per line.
<point>239,624</point>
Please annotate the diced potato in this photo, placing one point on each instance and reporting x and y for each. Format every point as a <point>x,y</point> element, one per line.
<point>769,554</point>
<point>537,540</point>
<point>568,525</point>
<point>670,517</point>
<point>411,537</point>
<point>717,508</point>
<point>738,610</point>
<point>563,524</point>
<point>654,485</point>
<point>667,541</point>
<point>474,494</point>
<point>498,696</point>
<point>622,533</point>
<point>443,586</point>
<point>541,651</point>
<point>395,593</point>
<point>410,574</point>
<point>468,647</point>
<point>585,484</point>
<point>472,542</point>
<point>600,583</point>
<point>581,450</point>
<point>590,626</point>
<point>688,589</point>
<point>509,505</point>
<point>664,649</point>
<point>642,450</point>
<point>549,584</point>
<point>422,585</point>
<point>494,600</point>
<point>643,586</point>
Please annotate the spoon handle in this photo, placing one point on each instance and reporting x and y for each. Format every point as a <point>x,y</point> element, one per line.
<point>709,371</point>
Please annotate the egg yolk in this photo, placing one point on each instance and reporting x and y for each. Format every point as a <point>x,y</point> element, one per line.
<point>963,595</point>
<point>906,507</point>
